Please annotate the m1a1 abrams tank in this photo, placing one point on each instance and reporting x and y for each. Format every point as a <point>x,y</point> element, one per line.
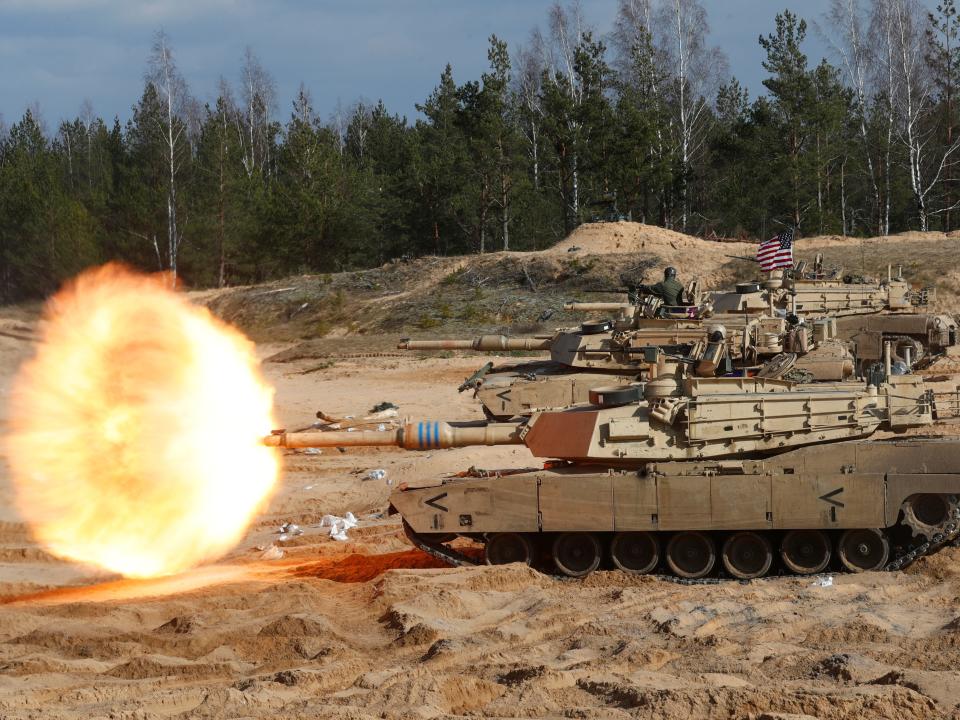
<point>868,313</point>
<point>615,352</point>
<point>762,474</point>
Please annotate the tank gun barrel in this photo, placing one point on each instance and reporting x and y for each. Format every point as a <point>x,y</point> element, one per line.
<point>483,343</point>
<point>597,306</point>
<point>423,435</point>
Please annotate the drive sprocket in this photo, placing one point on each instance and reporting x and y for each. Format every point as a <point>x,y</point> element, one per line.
<point>927,515</point>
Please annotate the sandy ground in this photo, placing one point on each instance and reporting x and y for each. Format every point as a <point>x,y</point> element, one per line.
<point>371,628</point>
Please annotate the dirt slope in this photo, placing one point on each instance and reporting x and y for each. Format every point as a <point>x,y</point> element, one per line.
<point>517,292</point>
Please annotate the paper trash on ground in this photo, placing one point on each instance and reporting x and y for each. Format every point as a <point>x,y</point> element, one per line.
<point>339,525</point>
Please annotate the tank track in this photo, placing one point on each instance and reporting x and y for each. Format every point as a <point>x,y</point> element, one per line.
<point>439,550</point>
<point>905,557</point>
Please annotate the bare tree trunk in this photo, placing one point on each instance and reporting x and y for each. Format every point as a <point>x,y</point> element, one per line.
<point>221,209</point>
<point>819,185</point>
<point>843,196</point>
<point>575,196</point>
<point>504,214</point>
<point>891,89</point>
<point>567,30</point>
<point>536,158</point>
<point>684,127</point>
<point>88,118</point>
<point>172,89</point>
<point>66,139</point>
<point>172,238</point>
<point>844,14</point>
<point>504,194</point>
<point>259,98</point>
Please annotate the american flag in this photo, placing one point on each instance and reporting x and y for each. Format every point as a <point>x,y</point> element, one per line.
<point>776,252</point>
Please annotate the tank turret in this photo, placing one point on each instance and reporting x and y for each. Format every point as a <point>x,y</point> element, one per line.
<point>760,474</point>
<point>597,354</point>
<point>671,419</point>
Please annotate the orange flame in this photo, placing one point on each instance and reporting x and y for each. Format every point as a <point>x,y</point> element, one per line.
<point>135,430</point>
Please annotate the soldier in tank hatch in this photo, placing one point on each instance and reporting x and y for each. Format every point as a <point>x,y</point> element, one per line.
<point>670,290</point>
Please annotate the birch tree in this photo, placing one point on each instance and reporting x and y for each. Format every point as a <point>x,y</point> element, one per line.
<point>171,88</point>
<point>662,49</point>
<point>698,71</point>
<point>943,61</point>
<point>914,101</point>
<point>846,22</point>
<point>259,96</point>
<point>526,96</point>
<point>559,52</point>
<point>225,114</point>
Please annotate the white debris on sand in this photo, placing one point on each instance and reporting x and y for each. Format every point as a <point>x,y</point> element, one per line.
<point>271,553</point>
<point>339,525</point>
<point>287,531</point>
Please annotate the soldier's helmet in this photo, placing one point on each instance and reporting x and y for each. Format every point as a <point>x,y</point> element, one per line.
<point>670,273</point>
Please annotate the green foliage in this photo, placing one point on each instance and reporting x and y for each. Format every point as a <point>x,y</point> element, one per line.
<point>512,160</point>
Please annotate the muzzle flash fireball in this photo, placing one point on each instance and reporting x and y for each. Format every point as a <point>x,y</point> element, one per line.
<point>135,430</point>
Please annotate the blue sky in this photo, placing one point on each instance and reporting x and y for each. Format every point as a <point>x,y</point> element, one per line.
<point>59,52</point>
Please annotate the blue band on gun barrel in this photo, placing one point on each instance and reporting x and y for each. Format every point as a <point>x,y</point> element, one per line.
<point>436,434</point>
<point>420,435</point>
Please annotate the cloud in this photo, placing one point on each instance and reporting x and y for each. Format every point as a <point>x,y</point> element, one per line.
<point>62,51</point>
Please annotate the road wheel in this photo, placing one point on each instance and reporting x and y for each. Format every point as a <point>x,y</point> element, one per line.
<point>635,552</point>
<point>747,555</point>
<point>863,550</point>
<point>576,554</point>
<point>805,552</point>
<point>691,554</point>
<point>505,548</point>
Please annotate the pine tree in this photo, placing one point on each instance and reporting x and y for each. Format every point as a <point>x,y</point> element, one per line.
<point>791,88</point>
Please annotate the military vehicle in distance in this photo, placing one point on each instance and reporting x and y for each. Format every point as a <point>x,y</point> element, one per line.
<point>757,321</point>
<point>763,473</point>
<point>867,313</point>
<point>629,349</point>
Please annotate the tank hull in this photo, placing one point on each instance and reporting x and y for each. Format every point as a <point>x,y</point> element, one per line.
<point>837,489</point>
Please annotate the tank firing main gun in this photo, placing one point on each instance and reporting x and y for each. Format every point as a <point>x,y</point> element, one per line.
<point>685,469</point>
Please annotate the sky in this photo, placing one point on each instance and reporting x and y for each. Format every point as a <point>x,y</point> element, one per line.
<point>58,53</point>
